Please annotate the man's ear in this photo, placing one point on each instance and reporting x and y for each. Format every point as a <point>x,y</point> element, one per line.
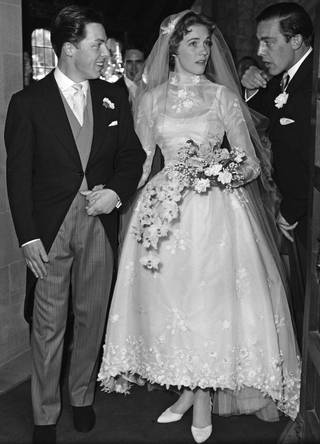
<point>296,41</point>
<point>68,49</point>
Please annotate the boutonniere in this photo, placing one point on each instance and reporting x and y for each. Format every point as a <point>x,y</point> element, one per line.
<point>281,99</point>
<point>108,104</point>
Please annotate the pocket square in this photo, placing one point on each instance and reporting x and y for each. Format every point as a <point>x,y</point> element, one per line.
<point>285,121</point>
<point>114,123</point>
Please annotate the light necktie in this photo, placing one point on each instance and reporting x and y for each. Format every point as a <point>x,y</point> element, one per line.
<point>79,102</point>
<point>284,81</point>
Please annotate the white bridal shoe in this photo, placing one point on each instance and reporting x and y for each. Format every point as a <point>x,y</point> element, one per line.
<point>201,435</point>
<point>169,416</point>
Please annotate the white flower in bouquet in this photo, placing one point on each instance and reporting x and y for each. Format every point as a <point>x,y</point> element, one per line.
<point>201,185</point>
<point>213,170</point>
<point>225,177</point>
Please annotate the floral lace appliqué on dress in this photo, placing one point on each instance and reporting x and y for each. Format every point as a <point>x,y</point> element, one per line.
<point>185,98</point>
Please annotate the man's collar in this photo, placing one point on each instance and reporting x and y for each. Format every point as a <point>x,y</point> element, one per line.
<point>64,82</point>
<point>295,67</point>
<point>128,81</point>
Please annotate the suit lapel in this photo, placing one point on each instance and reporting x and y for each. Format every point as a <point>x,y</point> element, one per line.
<point>301,74</point>
<point>101,117</point>
<point>54,112</point>
<point>52,107</point>
<point>295,83</point>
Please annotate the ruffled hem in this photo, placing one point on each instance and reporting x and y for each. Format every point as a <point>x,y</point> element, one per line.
<point>286,396</point>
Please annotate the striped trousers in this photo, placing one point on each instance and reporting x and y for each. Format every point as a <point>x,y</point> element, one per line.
<point>81,256</point>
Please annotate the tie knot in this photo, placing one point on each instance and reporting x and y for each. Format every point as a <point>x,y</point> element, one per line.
<point>284,81</point>
<point>78,88</point>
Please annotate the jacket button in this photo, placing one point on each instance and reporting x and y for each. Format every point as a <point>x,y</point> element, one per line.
<point>81,173</point>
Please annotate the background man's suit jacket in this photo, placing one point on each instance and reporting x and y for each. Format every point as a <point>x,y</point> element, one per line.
<point>44,171</point>
<point>290,141</point>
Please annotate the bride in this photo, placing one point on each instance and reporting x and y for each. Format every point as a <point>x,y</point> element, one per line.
<point>200,300</point>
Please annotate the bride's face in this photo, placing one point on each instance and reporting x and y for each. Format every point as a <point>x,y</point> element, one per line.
<point>194,51</point>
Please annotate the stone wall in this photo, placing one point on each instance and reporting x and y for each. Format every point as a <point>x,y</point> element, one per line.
<point>14,332</point>
<point>236,20</point>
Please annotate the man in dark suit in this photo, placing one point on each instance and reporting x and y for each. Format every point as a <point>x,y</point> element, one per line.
<point>64,134</point>
<point>134,55</point>
<point>283,94</point>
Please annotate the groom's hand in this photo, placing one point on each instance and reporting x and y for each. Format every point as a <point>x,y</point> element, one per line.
<point>100,201</point>
<point>285,227</point>
<point>35,256</point>
<point>253,79</point>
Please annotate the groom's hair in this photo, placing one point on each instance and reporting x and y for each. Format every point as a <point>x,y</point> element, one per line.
<point>69,25</point>
<point>293,20</point>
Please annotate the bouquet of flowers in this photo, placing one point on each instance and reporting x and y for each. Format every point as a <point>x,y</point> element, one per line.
<point>197,167</point>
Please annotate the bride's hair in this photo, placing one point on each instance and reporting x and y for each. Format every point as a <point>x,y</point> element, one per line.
<point>182,28</point>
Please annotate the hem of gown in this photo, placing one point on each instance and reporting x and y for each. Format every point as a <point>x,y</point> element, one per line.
<point>284,403</point>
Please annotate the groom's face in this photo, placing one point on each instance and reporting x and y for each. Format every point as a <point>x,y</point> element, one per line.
<point>89,55</point>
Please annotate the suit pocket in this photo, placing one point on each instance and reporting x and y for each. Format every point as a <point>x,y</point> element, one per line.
<point>285,121</point>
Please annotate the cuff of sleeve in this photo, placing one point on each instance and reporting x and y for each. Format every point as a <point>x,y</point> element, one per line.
<point>119,203</point>
<point>26,243</point>
<point>246,98</point>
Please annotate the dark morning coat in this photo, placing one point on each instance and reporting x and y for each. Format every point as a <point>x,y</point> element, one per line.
<point>121,82</point>
<point>290,142</point>
<point>44,171</point>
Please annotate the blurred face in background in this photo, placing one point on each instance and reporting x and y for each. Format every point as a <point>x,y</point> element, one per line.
<point>133,61</point>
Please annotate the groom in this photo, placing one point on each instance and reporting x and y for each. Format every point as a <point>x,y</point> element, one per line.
<point>65,134</point>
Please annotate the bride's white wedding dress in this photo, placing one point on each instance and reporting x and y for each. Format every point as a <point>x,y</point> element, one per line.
<point>215,314</point>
